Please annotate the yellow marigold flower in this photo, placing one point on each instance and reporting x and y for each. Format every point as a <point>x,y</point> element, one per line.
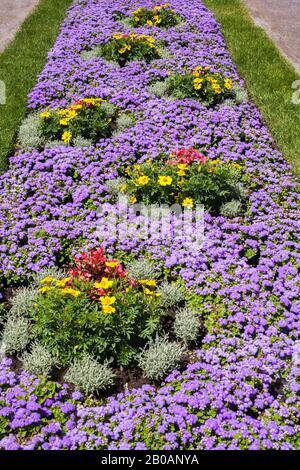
<point>150,292</point>
<point>182,166</point>
<point>228,84</point>
<point>64,122</point>
<point>63,282</point>
<point>77,106</point>
<point>236,166</point>
<point>45,114</point>
<point>48,280</point>
<point>111,264</point>
<point>181,173</point>
<point>108,309</point>
<point>149,22</point>
<point>198,83</point>
<point>67,136</point>
<point>137,11</point>
<point>143,180</point>
<point>133,199</point>
<point>188,202</point>
<point>71,114</point>
<point>196,71</point>
<point>216,161</point>
<point>165,180</point>
<point>45,289</point>
<point>107,300</point>
<point>69,291</point>
<point>125,48</point>
<point>104,284</point>
<point>62,112</point>
<point>148,282</point>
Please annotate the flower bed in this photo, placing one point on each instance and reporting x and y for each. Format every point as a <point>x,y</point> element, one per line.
<point>240,388</point>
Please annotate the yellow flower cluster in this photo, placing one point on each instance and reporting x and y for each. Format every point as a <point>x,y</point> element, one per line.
<point>188,202</point>
<point>164,180</point>
<point>107,303</point>
<point>155,20</point>
<point>68,114</point>
<point>105,284</point>
<point>133,38</point>
<point>228,84</point>
<point>60,285</point>
<point>67,136</point>
<point>142,180</point>
<point>198,83</point>
<point>148,287</point>
<point>215,85</point>
<point>125,48</point>
<point>198,71</point>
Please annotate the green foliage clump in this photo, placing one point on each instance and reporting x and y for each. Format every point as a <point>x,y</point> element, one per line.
<point>122,48</point>
<point>161,16</point>
<point>89,119</point>
<point>160,357</point>
<point>201,84</point>
<point>187,178</point>
<point>71,326</point>
<point>89,376</point>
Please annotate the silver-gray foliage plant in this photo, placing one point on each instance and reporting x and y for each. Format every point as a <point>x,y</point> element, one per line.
<point>187,325</point>
<point>159,89</point>
<point>171,294</point>
<point>16,335</point>
<point>143,269</point>
<point>38,360</point>
<point>23,301</point>
<point>30,132</point>
<point>124,121</point>
<point>231,209</point>
<point>80,141</point>
<point>240,94</point>
<point>114,186</point>
<point>89,376</point>
<point>160,357</point>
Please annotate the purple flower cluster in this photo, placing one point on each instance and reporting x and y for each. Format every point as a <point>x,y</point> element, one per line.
<point>243,390</point>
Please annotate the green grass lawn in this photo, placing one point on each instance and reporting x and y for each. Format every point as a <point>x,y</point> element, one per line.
<point>267,74</point>
<point>20,64</point>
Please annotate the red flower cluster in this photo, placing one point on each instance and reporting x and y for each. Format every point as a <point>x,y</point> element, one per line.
<point>95,265</point>
<point>187,156</point>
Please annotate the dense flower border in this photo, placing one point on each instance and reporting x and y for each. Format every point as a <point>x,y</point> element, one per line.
<point>243,389</point>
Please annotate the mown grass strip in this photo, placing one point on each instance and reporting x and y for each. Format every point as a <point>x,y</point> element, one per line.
<point>21,62</point>
<point>268,75</point>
